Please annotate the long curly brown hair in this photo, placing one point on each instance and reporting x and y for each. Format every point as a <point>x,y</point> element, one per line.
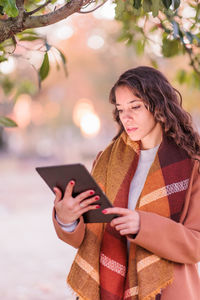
<point>164,102</point>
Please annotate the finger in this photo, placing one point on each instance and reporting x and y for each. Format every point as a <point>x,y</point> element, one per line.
<point>87,202</point>
<point>84,195</point>
<point>90,207</point>
<point>121,227</point>
<point>126,231</point>
<point>119,220</point>
<point>58,193</point>
<point>69,189</point>
<point>116,210</point>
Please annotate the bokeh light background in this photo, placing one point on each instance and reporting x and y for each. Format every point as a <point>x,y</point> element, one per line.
<point>69,120</point>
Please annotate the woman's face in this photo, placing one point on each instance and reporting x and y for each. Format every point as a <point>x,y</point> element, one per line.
<point>137,120</point>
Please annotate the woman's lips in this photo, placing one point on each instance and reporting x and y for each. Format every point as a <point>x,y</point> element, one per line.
<point>131,129</point>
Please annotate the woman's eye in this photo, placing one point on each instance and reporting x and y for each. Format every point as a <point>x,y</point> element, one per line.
<point>136,107</point>
<point>119,111</point>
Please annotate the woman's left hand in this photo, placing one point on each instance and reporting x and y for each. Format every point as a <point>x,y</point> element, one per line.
<point>127,223</point>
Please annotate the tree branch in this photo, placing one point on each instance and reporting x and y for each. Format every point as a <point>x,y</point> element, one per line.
<point>192,62</point>
<point>38,8</point>
<point>87,3</point>
<point>53,17</point>
<point>20,6</point>
<point>12,26</point>
<point>189,51</point>
<point>89,11</point>
<point>20,3</point>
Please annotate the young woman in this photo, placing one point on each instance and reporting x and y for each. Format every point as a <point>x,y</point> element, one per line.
<point>151,174</point>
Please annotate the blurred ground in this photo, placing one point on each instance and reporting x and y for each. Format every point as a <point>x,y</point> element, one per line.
<point>34,262</point>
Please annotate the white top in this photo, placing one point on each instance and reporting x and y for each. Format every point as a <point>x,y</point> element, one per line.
<point>145,161</point>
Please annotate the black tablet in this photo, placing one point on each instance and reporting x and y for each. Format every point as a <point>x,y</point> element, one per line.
<point>60,176</point>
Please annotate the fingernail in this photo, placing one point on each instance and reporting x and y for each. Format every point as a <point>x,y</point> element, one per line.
<point>91,192</point>
<point>104,211</point>
<point>97,206</point>
<point>71,182</point>
<point>97,198</point>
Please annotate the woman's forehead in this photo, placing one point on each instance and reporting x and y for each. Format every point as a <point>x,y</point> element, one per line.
<point>124,95</point>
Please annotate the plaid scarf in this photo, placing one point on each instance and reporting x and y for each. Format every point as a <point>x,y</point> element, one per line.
<point>102,269</point>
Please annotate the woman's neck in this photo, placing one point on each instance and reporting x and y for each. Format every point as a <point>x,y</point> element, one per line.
<point>153,139</point>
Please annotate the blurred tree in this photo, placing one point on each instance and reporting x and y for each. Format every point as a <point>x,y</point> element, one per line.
<point>174,23</point>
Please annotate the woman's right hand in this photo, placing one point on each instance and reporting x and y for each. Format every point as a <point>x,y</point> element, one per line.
<point>69,209</point>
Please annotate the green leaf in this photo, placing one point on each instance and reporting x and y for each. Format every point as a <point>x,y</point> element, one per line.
<point>29,38</point>
<point>64,62</point>
<point>176,4</point>
<point>155,7</point>
<point>3,58</point>
<point>9,7</point>
<point>136,12</point>
<point>155,27</point>
<point>7,85</point>
<point>193,80</point>
<point>25,86</point>
<point>147,5</point>
<point>181,76</point>
<point>29,35</point>
<point>167,3</point>
<point>7,122</point>
<point>126,37</point>
<point>197,39</point>
<point>154,63</point>
<point>30,31</point>
<point>119,9</point>
<point>197,17</point>
<point>139,47</point>
<point>44,69</point>
<point>170,47</point>
<point>137,4</point>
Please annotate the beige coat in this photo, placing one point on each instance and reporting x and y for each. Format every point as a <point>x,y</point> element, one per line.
<point>178,242</point>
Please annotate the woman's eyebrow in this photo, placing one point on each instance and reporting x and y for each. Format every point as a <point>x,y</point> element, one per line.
<point>129,102</point>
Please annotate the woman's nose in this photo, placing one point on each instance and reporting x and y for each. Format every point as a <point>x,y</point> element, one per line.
<point>127,116</point>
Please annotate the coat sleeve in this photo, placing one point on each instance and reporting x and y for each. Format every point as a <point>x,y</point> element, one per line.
<point>178,242</point>
<point>73,238</point>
